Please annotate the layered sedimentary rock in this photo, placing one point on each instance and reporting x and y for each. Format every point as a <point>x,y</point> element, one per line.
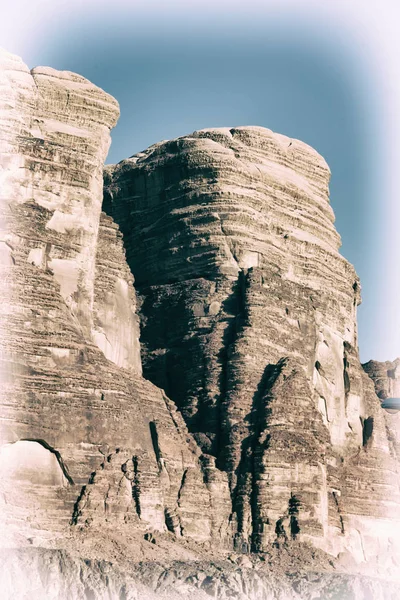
<point>386,377</point>
<point>264,435</point>
<point>84,437</point>
<point>248,321</point>
<point>55,127</point>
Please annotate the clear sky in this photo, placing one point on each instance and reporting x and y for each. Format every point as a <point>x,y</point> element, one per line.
<point>322,72</point>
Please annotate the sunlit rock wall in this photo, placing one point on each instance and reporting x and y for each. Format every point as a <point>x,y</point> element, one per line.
<point>385,427</point>
<point>248,316</point>
<point>386,377</point>
<point>247,321</point>
<point>84,438</point>
<point>115,322</point>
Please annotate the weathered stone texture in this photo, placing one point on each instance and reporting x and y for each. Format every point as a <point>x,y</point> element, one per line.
<point>67,294</point>
<point>386,377</point>
<point>248,321</point>
<point>115,322</point>
<point>56,126</point>
<point>386,380</point>
<point>265,437</point>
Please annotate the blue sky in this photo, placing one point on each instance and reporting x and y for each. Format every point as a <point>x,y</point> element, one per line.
<point>176,71</point>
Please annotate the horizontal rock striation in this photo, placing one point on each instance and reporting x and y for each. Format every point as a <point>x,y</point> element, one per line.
<point>264,435</point>
<point>386,380</point>
<point>202,210</point>
<point>56,128</point>
<point>386,377</point>
<point>77,418</point>
<point>248,321</point>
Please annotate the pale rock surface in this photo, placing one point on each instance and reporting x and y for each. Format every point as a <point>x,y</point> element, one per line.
<point>62,576</point>
<point>55,136</point>
<point>115,322</point>
<point>74,407</point>
<point>247,310</point>
<point>386,377</point>
<point>248,315</point>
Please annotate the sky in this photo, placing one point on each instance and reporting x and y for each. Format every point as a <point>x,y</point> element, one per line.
<point>323,72</point>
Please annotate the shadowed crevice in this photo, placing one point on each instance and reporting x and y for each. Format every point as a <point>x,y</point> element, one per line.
<point>56,453</point>
<point>367,430</point>
<point>155,442</point>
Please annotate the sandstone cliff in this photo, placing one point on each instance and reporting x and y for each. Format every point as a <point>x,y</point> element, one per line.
<point>386,377</point>
<point>263,435</point>
<point>83,438</point>
<point>248,321</point>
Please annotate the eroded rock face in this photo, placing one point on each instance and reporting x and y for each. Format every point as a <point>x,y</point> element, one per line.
<point>248,321</point>
<point>59,575</point>
<point>115,322</point>
<point>56,127</point>
<point>386,377</point>
<point>55,136</point>
<point>273,440</point>
<point>72,386</point>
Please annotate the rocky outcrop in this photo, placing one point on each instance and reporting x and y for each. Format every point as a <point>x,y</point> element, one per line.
<point>248,321</point>
<point>55,127</point>
<point>60,575</point>
<point>264,435</point>
<point>84,437</point>
<point>386,377</point>
<point>242,218</point>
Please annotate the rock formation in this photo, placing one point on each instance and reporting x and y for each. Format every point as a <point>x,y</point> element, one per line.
<point>386,377</point>
<point>242,422</point>
<point>77,417</point>
<point>248,321</point>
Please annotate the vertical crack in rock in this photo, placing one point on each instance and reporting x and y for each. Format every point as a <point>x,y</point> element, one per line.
<point>336,500</point>
<point>136,485</point>
<point>51,205</point>
<point>79,505</point>
<point>234,305</point>
<point>156,446</point>
<point>181,485</point>
<point>293,510</point>
<point>290,519</point>
<point>346,379</point>
<point>230,238</point>
<point>245,494</point>
<point>172,522</point>
<point>70,347</point>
